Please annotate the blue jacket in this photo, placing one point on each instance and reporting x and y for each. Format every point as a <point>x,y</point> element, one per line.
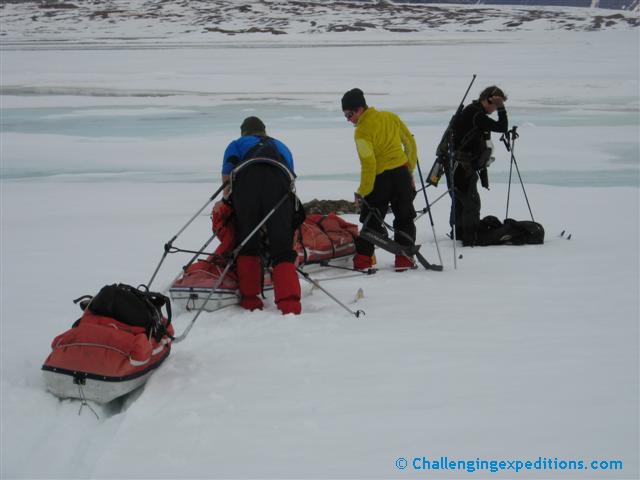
<point>237,151</point>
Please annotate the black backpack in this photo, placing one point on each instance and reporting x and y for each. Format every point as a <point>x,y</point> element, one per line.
<point>512,232</point>
<point>132,306</point>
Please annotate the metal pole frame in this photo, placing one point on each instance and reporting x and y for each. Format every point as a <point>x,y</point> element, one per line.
<point>234,255</point>
<point>169,244</point>
<point>306,276</point>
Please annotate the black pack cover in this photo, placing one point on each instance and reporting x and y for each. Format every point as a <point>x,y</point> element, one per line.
<point>492,231</point>
<point>139,308</point>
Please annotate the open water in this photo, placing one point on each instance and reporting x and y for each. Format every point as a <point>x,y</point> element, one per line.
<point>26,132</point>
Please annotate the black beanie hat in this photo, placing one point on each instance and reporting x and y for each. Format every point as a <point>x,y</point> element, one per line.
<point>353,99</point>
<point>252,126</point>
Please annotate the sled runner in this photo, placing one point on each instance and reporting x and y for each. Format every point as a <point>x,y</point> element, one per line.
<point>318,240</point>
<point>115,346</point>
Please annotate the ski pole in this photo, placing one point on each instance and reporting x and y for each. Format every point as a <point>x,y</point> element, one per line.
<point>454,238</point>
<point>234,255</point>
<point>506,215</point>
<point>425,186</point>
<point>424,210</point>
<point>169,244</point>
<point>306,276</point>
<point>428,207</point>
<point>515,135</point>
<point>505,139</point>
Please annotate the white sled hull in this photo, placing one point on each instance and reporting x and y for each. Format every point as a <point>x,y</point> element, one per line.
<point>63,386</point>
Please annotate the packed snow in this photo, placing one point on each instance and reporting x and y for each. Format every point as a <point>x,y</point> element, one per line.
<point>518,354</point>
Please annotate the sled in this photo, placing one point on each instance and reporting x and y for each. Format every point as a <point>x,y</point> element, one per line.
<point>101,358</point>
<point>319,240</point>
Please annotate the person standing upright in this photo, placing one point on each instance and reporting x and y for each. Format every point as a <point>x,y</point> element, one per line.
<point>388,156</point>
<point>473,153</point>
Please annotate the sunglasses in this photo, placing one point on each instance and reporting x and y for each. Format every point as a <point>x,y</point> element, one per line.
<point>349,114</point>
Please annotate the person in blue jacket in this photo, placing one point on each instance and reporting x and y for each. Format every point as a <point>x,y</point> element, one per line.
<point>260,173</point>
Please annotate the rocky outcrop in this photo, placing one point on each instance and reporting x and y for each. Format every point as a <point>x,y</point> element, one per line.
<point>52,20</point>
<point>325,207</point>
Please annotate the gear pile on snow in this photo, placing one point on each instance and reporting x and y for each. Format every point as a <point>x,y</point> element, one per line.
<point>324,237</point>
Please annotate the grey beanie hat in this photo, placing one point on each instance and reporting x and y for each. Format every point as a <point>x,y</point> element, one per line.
<point>252,126</point>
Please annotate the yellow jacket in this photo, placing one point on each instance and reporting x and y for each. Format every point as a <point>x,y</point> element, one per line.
<point>383,142</point>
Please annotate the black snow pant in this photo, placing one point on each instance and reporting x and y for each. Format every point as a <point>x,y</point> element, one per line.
<point>465,213</point>
<point>256,190</point>
<point>391,187</point>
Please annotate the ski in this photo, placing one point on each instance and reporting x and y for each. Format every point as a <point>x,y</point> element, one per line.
<point>428,266</point>
<point>384,242</point>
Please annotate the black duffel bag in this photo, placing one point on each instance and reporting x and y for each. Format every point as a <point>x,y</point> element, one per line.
<point>137,307</point>
<point>492,231</point>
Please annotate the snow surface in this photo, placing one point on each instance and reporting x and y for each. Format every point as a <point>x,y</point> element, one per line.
<point>519,353</point>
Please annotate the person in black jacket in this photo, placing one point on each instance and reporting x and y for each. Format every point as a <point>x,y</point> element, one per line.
<point>472,154</point>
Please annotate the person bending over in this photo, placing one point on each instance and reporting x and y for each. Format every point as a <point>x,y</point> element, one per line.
<point>260,173</point>
<point>388,155</point>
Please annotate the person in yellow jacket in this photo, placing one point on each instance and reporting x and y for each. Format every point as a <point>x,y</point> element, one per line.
<point>388,156</point>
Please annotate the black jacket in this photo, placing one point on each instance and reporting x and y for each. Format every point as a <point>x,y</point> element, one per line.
<point>472,128</point>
